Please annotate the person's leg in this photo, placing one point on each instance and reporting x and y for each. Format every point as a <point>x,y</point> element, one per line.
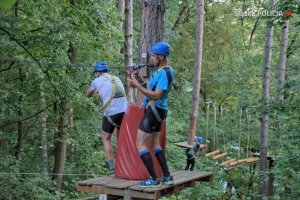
<point>192,164</point>
<point>160,155</point>
<point>188,163</point>
<point>107,131</point>
<point>142,140</point>
<point>106,139</point>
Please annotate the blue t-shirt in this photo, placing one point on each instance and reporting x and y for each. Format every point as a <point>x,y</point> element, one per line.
<point>159,80</point>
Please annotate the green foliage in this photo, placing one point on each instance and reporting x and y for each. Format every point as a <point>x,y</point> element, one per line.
<point>7,4</point>
<point>39,33</point>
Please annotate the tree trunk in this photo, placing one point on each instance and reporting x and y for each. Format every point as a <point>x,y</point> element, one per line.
<point>121,8</point>
<point>60,146</point>
<point>151,31</point>
<point>20,114</point>
<point>282,61</point>
<point>128,42</point>
<point>197,74</point>
<point>265,113</point>
<point>181,14</point>
<point>65,120</point>
<point>43,120</point>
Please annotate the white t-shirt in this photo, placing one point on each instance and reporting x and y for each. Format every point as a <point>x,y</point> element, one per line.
<point>104,87</point>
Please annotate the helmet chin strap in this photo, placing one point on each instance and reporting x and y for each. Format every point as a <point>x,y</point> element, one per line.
<point>158,62</point>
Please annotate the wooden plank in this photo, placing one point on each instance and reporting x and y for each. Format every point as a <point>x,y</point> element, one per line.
<point>269,156</point>
<point>183,144</point>
<point>129,189</point>
<point>220,156</point>
<point>212,153</point>
<point>3,140</point>
<point>122,184</point>
<point>186,145</point>
<point>227,162</point>
<point>179,177</point>
<point>94,180</point>
<point>252,160</point>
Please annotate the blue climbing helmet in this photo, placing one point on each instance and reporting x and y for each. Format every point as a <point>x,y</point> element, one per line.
<point>199,139</point>
<point>160,48</point>
<point>100,66</point>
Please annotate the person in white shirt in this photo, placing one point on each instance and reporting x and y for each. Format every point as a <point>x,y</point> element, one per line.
<point>112,94</point>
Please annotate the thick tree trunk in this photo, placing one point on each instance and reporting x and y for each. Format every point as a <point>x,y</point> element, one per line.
<point>151,31</point>
<point>128,42</point>
<point>265,114</point>
<point>65,120</point>
<point>197,74</point>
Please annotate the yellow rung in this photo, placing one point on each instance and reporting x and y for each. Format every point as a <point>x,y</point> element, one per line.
<point>252,160</point>
<point>212,153</point>
<point>220,156</point>
<point>227,162</point>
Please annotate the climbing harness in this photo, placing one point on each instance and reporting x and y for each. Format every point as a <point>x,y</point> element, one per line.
<point>117,92</point>
<point>151,102</point>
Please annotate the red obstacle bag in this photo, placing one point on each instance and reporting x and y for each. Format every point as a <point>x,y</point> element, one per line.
<point>128,164</point>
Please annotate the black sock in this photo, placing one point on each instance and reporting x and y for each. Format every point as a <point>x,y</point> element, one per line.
<point>160,155</point>
<point>147,160</point>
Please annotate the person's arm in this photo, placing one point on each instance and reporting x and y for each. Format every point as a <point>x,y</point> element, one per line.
<point>203,146</point>
<point>89,92</point>
<point>153,95</point>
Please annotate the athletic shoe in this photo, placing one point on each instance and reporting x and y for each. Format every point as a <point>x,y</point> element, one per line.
<point>168,180</point>
<point>150,183</point>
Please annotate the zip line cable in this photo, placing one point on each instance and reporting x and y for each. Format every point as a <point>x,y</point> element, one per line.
<point>134,66</point>
<point>45,174</point>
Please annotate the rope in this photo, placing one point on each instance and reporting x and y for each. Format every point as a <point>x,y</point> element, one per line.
<point>221,108</point>
<point>207,119</point>
<point>240,130</point>
<point>48,174</point>
<point>248,130</point>
<point>215,127</point>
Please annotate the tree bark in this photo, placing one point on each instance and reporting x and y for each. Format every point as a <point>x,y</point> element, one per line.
<point>282,61</point>
<point>43,121</point>
<point>265,114</point>
<point>20,114</point>
<point>197,74</point>
<point>152,26</point>
<point>252,32</point>
<point>128,42</point>
<point>65,120</point>
<point>181,14</point>
<point>121,9</point>
<point>60,146</point>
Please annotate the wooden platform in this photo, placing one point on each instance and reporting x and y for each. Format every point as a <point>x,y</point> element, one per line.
<point>128,189</point>
<point>183,144</point>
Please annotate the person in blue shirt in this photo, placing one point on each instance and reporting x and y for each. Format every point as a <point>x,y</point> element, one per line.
<point>156,104</point>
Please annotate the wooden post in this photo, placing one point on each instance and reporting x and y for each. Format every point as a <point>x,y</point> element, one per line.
<point>197,73</point>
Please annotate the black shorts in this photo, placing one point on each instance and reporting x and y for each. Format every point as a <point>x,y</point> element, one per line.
<point>107,126</point>
<point>149,123</point>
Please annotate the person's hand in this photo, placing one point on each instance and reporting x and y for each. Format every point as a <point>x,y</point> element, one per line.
<point>131,80</point>
<point>135,73</point>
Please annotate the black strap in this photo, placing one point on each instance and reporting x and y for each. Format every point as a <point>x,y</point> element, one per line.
<point>169,77</point>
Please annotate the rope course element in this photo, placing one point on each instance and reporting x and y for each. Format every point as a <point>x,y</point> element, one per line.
<point>47,174</point>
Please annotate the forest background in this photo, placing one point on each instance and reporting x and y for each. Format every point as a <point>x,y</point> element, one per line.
<point>47,53</point>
